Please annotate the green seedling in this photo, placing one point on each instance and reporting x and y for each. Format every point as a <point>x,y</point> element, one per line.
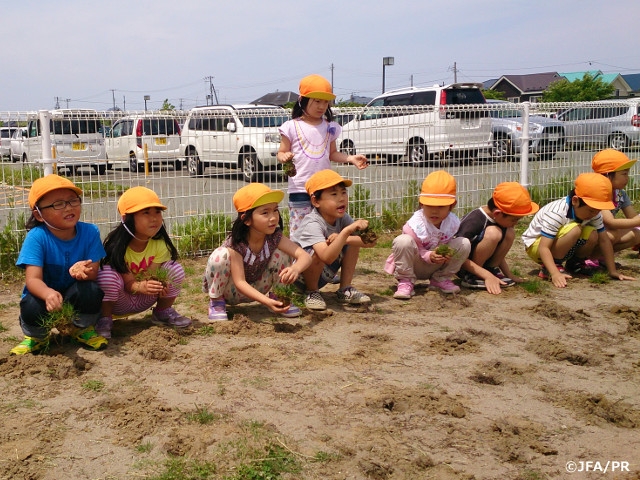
<point>289,169</point>
<point>445,250</point>
<point>287,294</point>
<point>367,235</point>
<point>61,320</point>
<point>160,274</point>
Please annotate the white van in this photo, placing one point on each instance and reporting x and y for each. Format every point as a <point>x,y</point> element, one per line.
<point>422,124</point>
<point>160,134</point>
<point>237,136</point>
<point>75,134</point>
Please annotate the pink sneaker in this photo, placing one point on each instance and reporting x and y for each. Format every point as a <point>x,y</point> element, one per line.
<point>445,286</point>
<point>404,291</point>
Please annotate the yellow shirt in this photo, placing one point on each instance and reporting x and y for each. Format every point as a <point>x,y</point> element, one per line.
<point>156,252</point>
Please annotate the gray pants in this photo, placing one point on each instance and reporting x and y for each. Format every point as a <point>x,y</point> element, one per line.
<point>410,266</point>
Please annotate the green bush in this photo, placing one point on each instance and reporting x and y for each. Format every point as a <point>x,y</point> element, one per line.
<point>202,234</point>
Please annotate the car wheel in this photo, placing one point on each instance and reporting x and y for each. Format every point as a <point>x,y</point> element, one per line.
<point>193,164</point>
<point>100,168</point>
<point>502,148</point>
<point>12,157</point>
<point>348,147</point>
<point>25,159</point>
<point>133,164</point>
<point>618,141</point>
<point>250,165</point>
<point>178,165</point>
<point>417,153</point>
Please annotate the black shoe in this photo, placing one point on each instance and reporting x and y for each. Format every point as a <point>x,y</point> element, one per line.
<point>577,266</point>
<point>469,280</point>
<point>498,274</point>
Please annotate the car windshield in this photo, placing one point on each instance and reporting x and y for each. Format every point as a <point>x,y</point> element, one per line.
<point>464,96</point>
<point>75,126</point>
<point>6,133</point>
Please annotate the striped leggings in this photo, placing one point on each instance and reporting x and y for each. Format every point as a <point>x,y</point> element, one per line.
<point>112,284</point>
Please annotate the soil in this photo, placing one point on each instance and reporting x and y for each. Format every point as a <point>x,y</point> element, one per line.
<point>465,386</point>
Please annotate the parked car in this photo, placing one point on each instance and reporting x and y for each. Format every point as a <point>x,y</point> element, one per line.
<point>237,136</point>
<point>421,124</point>
<point>126,141</point>
<point>5,141</point>
<point>17,144</point>
<point>546,135</point>
<point>606,123</point>
<point>75,135</point>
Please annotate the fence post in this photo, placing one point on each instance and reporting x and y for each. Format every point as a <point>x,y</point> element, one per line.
<point>45,133</point>
<point>524,146</point>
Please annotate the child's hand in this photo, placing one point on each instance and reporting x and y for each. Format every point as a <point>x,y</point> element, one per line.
<point>288,275</point>
<point>276,305</point>
<point>559,280</point>
<point>439,259</point>
<point>493,285</point>
<point>81,270</point>
<point>151,287</point>
<point>284,157</point>
<point>618,276</point>
<point>359,161</point>
<point>53,300</point>
<point>331,238</point>
<point>360,224</point>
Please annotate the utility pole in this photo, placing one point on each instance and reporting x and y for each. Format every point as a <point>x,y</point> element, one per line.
<point>332,76</point>
<point>57,103</point>
<point>67,100</point>
<point>455,72</point>
<point>212,89</point>
<point>113,95</point>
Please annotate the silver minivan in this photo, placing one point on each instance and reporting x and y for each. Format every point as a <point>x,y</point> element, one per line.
<point>606,123</point>
<point>422,124</point>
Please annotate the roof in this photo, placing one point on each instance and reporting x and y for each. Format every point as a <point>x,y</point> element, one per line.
<point>532,83</point>
<point>487,84</point>
<point>633,79</point>
<point>571,76</point>
<point>276,98</point>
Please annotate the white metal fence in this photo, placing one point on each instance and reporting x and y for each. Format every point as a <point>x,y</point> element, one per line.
<point>195,161</point>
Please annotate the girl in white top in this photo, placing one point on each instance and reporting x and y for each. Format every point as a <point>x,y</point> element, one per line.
<point>309,140</point>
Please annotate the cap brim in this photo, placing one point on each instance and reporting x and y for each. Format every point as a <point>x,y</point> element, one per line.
<point>534,209</point>
<point>275,196</point>
<point>625,166</point>
<point>598,205</point>
<point>436,202</point>
<point>321,95</point>
<point>138,208</point>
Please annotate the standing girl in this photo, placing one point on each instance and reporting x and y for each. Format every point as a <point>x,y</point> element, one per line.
<point>309,140</point>
<point>60,257</point>
<point>254,257</point>
<point>136,249</point>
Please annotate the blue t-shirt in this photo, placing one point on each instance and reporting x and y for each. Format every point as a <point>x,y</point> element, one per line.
<point>43,249</point>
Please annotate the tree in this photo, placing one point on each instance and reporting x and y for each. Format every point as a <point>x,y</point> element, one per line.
<point>586,89</point>
<point>166,105</point>
<point>493,94</point>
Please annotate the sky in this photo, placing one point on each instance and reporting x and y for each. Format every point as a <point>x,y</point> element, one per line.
<point>94,55</point>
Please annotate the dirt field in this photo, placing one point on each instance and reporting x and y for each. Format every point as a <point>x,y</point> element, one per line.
<point>470,386</point>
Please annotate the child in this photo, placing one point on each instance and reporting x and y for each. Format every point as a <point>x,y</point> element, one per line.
<point>254,257</point>
<point>623,232</point>
<point>60,256</point>
<point>309,140</point>
<point>415,252</point>
<point>136,249</point>
<point>491,231</point>
<point>328,234</point>
<point>570,229</point>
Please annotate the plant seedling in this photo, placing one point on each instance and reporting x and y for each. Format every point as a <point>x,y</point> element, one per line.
<point>367,235</point>
<point>61,320</point>
<point>287,294</point>
<point>289,169</point>
<point>160,274</point>
<point>445,250</point>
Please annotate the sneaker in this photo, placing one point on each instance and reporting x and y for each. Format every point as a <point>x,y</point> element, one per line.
<point>293,311</point>
<point>594,263</point>
<point>544,273</point>
<point>169,318</point>
<point>335,280</point>
<point>30,345</point>
<point>104,326</point>
<point>218,310</point>
<point>314,301</point>
<point>578,266</point>
<point>352,296</point>
<point>404,291</point>
<point>496,272</point>
<point>469,280</point>
<point>90,338</point>
<point>445,286</point>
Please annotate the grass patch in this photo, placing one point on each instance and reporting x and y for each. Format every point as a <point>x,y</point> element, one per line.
<point>145,447</point>
<point>202,233</point>
<point>3,328</point>
<point>535,286</point>
<point>202,415</point>
<point>11,239</point>
<point>185,469</point>
<point>275,461</point>
<point>600,278</point>
<point>94,385</point>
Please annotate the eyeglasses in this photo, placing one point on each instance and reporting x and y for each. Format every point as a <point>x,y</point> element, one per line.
<point>61,204</point>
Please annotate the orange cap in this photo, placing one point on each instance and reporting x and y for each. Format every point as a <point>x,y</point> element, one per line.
<point>325,179</point>
<point>255,195</point>
<point>610,160</point>
<point>138,198</point>
<point>51,182</point>
<point>315,86</point>
<point>513,199</point>
<point>438,189</point>
<point>595,190</point>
